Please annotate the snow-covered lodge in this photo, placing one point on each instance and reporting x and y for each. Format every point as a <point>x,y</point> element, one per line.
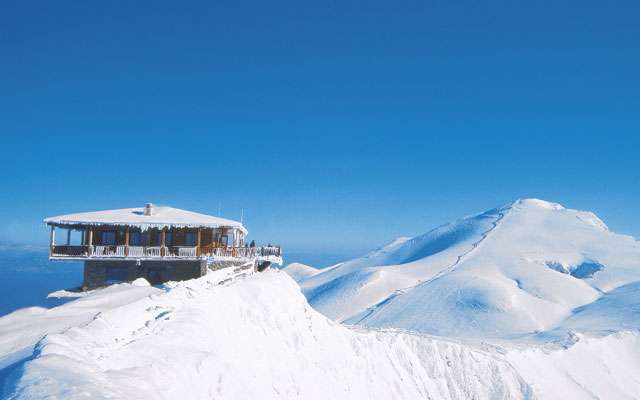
<point>157,243</point>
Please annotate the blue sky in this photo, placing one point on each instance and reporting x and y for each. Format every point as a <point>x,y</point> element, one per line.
<point>336,126</point>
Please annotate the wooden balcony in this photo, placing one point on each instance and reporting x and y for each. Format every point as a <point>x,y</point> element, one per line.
<point>78,252</point>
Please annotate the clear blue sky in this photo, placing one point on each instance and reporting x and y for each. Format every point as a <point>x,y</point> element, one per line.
<point>337,126</point>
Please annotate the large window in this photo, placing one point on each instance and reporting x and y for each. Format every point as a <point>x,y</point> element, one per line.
<point>135,238</point>
<point>190,239</point>
<point>108,238</point>
<point>157,238</point>
<point>217,236</point>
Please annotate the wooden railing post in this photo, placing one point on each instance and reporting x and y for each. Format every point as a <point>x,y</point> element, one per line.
<point>90,241</point>
<point>163,241</point>
<point>198,245</point>
<point>126,242</point>
<point>52,239</point>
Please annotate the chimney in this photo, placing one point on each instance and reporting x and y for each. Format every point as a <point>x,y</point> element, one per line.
<point>148,209</point>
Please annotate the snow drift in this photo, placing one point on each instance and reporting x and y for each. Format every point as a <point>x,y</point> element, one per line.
<point>253,338</point>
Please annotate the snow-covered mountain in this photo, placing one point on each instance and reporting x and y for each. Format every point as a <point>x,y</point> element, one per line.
<point>523,268</point>
<point>527,301</point>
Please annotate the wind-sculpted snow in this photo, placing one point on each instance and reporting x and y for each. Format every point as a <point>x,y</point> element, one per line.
<point>518,269</point>
<point>591,368</point>
<point>255,338</point>
<point>22,329</point>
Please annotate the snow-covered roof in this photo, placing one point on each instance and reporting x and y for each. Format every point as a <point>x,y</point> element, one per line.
<point>159,218</point>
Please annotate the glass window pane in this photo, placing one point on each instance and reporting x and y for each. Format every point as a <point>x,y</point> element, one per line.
<point>108,238</point>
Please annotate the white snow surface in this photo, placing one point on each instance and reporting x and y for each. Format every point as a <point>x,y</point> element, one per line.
<point>162,217</point>
<point>524,268</point>
<point>299,271</point>
<point>253,338</point>
<point>256,337</point>
<point>22,329</point>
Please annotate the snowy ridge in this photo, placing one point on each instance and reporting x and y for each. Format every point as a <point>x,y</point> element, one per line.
<point>501,213</point>
<point>255,338</point>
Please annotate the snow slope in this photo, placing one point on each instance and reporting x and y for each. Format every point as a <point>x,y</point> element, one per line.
<point>253,338</point>
<point>591,368</point>
<point>256,337</point>
<point>22,329</point>
<point>518,269</point>
<point>300,271</point>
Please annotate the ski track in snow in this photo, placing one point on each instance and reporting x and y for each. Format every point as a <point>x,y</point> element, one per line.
<point>399,292</point>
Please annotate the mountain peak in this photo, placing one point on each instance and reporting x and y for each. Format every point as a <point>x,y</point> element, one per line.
<point>537,203</point>
<point>509,270</point>
<point>532,204</point>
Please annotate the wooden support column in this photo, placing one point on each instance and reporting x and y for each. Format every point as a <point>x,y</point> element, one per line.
<point>163,241</point>
<point>68,236</point>
<point>83,242</point>
<point>52,238</point>
<point>126,242</point>
<point>90,243</point>
<point>198,246</point>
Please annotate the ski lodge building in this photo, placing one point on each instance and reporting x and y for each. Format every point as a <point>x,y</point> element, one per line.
<point>156,243</point>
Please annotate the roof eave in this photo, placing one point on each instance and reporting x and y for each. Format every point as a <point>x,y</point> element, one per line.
<point>144,226</point>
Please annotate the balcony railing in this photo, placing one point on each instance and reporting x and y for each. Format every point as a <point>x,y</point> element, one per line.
<point>69,251</point>
<point>240,252</point>
<point>155,251</point>
<point>121,251</point>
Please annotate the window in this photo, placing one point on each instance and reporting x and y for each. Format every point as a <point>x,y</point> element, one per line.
<point>135,238</point>
<point>108,238</point>
<point>190,239</point>
<point>157,238</point>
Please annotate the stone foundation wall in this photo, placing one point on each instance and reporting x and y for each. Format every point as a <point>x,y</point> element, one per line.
<point>215,265</point>
<point>97,273</point>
